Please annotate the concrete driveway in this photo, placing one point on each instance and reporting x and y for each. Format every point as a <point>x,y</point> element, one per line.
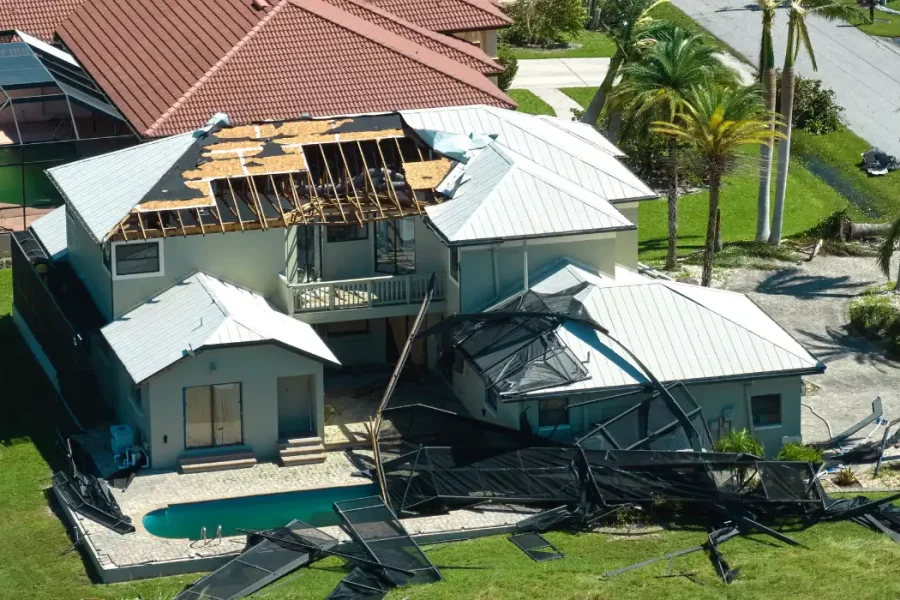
<point>811,301</point>
<point>560,73</point>
<point>863,71</point>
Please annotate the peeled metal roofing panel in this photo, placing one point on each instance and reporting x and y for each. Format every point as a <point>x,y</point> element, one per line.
<point>203,311</point>
<point>51,230</point>
<point>103,189</point>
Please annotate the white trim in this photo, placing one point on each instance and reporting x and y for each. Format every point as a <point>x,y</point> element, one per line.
<point>469,246</point>
<point>44,47</point>
<point>162,263</point>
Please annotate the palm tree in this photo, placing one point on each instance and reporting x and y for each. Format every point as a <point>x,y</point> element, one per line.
<point>886,252</point>
<point>717,121</point>
<point>658,84</point>
<point>768,80</point>
<point>798,34</point>
<point>629,24</point>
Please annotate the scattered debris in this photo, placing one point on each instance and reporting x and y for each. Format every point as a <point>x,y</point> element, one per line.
<point>879,163</point>
<point>536,547</point>
<point>90,497</point>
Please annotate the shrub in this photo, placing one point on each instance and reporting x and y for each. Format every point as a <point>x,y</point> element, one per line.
<point>815,109</point>
<point>845,477</point>
<point>801,452</point>
<point>877,316</point>
<point>507,58</point>
<point>739,441</point>
<point>545,22</point>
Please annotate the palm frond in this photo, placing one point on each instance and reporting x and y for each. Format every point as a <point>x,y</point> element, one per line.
<point>887,248</point>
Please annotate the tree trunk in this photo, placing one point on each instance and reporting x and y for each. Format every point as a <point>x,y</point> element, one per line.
<point>672,252</point>
<point>599,100</point>
<point>718,245</point>
<point>765,161</point>
<point>615,126</point>
<point>784,151</point>
<point>715,183</point>
<point>861,231</point>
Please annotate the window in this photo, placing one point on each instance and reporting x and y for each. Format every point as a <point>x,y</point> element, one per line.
<point>395,246</point>
<point>766,410</point>
<point>347,328</point>
<point>347,233</point>
<point>137,260</point>
<point>212,415</point>
<point>552,412</point>
<point>454,263</point>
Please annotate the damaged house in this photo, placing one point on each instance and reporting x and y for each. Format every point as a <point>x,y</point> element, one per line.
<point>229,271</point>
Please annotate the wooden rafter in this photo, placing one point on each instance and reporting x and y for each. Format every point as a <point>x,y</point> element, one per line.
<point>296,196</point>
<point>181,223</point>
<point>199,221</point>
<point>254,194</point>
<point>237,209</point>
<point>314,193</point>
<point>337,200</point>
<point>352,185</point>
<point>374,196</point>
<point>141,225</point>
<point>388,181</point>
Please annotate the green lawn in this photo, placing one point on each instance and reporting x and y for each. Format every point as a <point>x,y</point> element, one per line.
<point>531,104</point>
<point>885,25</point>
<point>589,44</point>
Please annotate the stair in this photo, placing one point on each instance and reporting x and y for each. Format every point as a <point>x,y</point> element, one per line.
<point>301,451</point>
<point>217,462</point>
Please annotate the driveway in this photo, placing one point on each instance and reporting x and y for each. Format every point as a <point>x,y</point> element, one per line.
<point>811,301</point>
<point>863,71</point>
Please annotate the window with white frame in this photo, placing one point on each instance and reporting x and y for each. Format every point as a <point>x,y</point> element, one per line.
<point>137,259</point>
<point>766,410</point>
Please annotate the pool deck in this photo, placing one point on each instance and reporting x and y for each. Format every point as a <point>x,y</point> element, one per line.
<point>140,554</point>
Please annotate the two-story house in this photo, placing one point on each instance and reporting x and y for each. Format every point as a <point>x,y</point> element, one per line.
<point>235,267</point>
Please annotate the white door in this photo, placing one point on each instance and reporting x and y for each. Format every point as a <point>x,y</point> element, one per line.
<point>295,406</point>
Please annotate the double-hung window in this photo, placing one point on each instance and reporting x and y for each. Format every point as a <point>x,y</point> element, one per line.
<point>137,259</point>
<point>766,410</point>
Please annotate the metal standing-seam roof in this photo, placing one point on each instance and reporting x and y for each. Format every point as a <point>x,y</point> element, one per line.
<point>203,312</point>
<point>448,15</point>
<point>103,189</point>
<point>50,229</point>
<point>505,196</point>
<point>680,331</point>
<point>569,152</point>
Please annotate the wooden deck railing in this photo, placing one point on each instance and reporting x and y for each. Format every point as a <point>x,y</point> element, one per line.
<point>368,292</point>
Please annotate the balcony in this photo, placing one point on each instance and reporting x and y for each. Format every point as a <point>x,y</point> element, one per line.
<point>369,297</point>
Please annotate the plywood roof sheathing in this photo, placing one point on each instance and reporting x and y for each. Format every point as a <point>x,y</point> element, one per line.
<point>428,174</point>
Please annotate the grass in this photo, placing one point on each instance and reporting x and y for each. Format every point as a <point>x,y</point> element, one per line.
<point>590,44</point>
<point>840,560</point>
<point>529,103</point>
<point>885,25</point>
<point>810,200</point>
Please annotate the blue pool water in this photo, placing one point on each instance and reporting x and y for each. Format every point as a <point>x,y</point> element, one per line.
<point>252,512</point>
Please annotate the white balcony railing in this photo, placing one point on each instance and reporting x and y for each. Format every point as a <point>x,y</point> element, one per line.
<point>369,292</point>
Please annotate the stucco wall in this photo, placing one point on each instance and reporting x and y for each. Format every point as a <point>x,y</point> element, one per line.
<point>358,348</point>
<point>477,265</point>
<point>256,367</point>
<point>252,259</point>
<point>627,241</point>
<point>86,258</point>
<point>719,401</point>
<point>117,388</point>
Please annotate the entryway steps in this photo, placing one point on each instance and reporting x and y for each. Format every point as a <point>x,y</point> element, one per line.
<point>220,462</point>
<point>301,451</point>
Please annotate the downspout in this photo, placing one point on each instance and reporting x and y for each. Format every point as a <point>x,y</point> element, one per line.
<point>525,263</point>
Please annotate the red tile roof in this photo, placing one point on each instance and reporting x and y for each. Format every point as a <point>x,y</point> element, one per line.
<point>37,17</point>
<point>452,47</point>
<point>168,65</point>
<point>448,15</point>
<point>338,64</point>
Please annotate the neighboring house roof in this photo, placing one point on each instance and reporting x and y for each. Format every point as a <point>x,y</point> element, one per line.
<point>40,18</point>
<point>502,195</point>
<point>103,189</point>
<point>50,229</point>
<point>452,47</point>
<point>448,15</point>
<point>681,332</point>
<point>571,152</point>
<point>168,65</point>
<point>199,313</point>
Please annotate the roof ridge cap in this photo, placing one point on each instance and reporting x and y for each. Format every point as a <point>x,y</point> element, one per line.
<point>736,324</point>
<point>487,11</point>
<point>213,69</point>
<point>489,88</point>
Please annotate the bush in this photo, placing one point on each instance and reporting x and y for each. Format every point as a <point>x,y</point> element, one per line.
<point>545,22</point>
<point>739,441</point>
<point>507,58</point>
<point>801,452</point>
<point>877,316</point>
<point>815,109</point>
<point>845,477</point>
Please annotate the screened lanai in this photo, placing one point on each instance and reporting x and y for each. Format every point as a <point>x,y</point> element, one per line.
<point>51,113</point>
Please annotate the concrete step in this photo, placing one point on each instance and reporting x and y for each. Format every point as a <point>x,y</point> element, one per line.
<point>300,450</point>
<point>302,459</point>
<point>296,442</point>
<point>204,464</point>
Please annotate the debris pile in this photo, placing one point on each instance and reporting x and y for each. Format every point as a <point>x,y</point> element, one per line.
<point>877,162</point>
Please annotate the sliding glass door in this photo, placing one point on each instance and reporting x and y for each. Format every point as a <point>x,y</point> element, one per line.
<point>212,415</point>
<point>395,246</point>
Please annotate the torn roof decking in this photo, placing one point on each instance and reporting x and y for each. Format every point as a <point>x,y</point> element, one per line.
<point>335,171</point>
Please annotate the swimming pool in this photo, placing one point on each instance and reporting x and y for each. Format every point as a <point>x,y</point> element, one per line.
<point>252,512</point>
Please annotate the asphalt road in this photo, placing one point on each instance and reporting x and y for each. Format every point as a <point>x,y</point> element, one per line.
<point>864,71</point>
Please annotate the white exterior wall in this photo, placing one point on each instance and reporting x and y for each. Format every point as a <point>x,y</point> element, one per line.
<point>86,258</point>
<point>256,368</point>
<point>627,241</point>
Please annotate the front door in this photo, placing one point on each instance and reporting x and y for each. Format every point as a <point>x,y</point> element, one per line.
<point>295,406</point>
